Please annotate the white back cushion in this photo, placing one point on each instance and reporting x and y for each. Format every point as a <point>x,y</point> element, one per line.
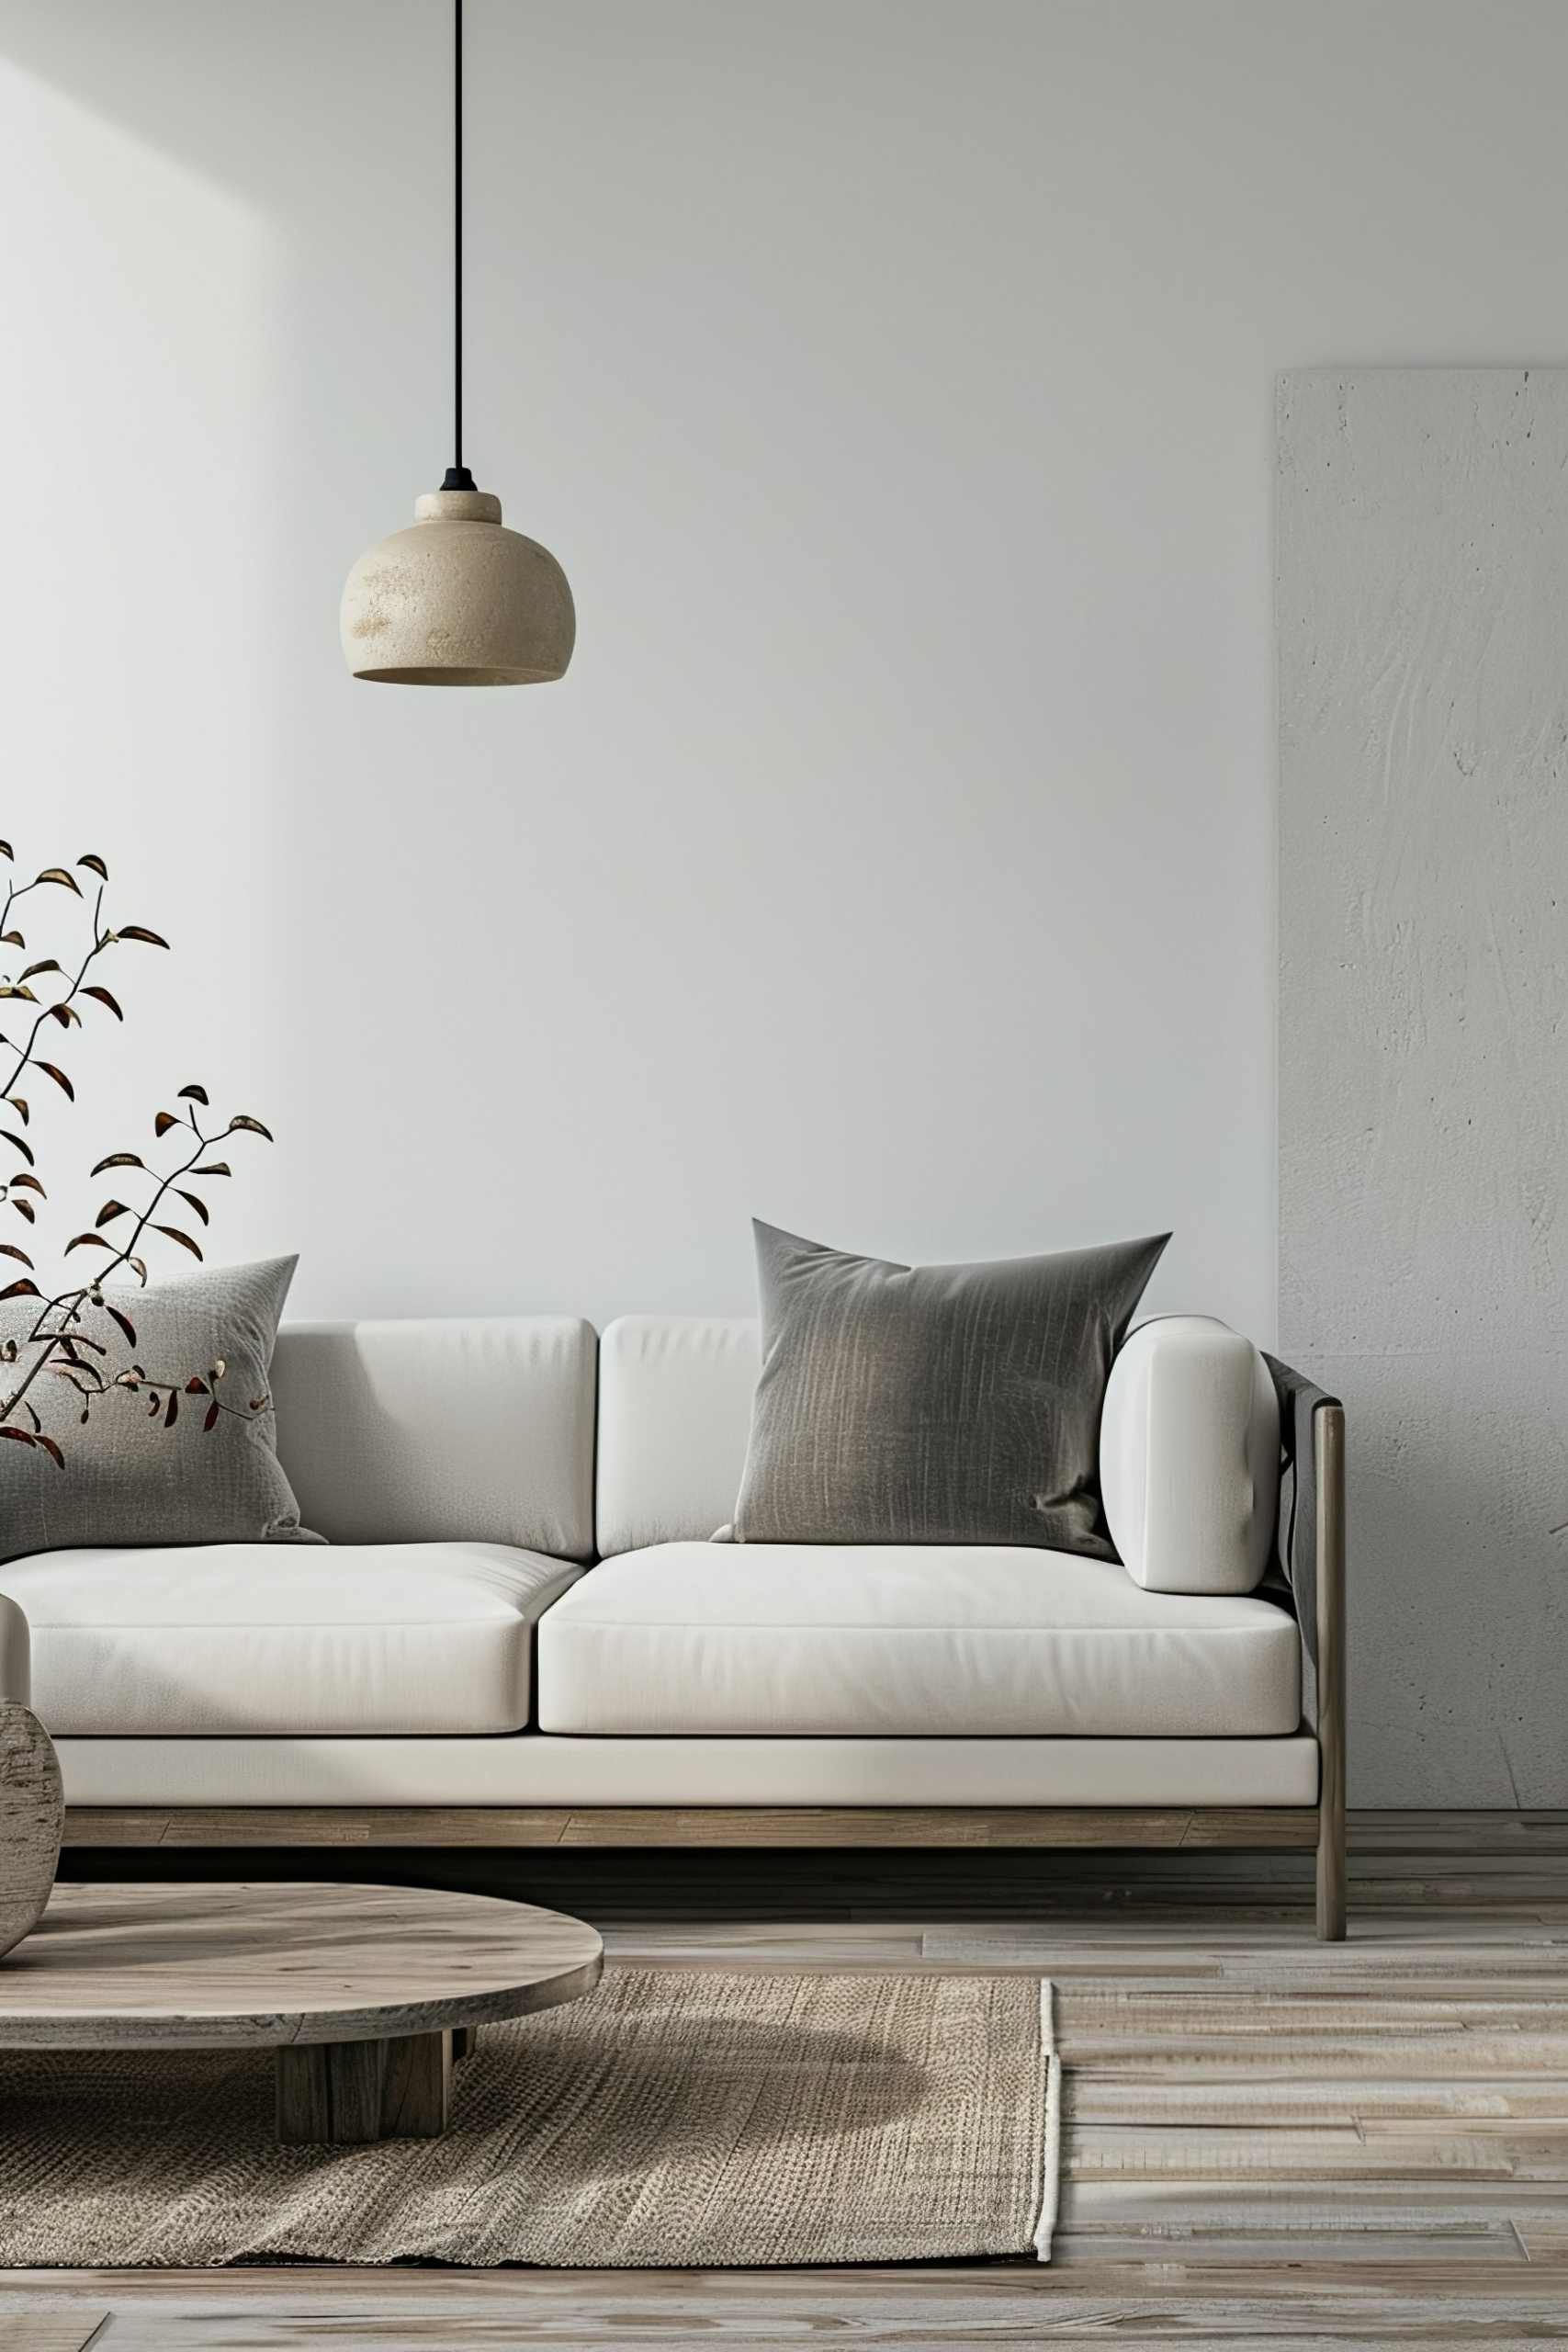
<point>1189,1456</point>
<point>674,1422</point>
<point>447,1429</point>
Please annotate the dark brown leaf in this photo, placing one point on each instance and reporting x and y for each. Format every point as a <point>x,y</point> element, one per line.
<point>6,851</point>
<point>135,931</point>
<point>117,1159</point>
<point>87,1241</point>
<point>12,939</point>
<point>29,1184</point>
<point>175,1234</point>
<point>110,1210</point>
<point>253,1126</point>
<point>126,1325</point>
<point>163,1122</point>
<point>171,1416</point>
<point>60,1078</point>
<point>24,1208</point>
<point>260,1404</point>
<point>21,1290</point>
<point>199,1207</point>
<point>49,965</point>
<point>214,1168</point>
<point>95,864</point>
<point>103,997</point>
<point>18,1145</point>
<point>195,1094</point>
<point>156,1407</point>
<point>23,1437</point>
<point>52,1450</point>
<point>65,1014</point>
<point>137,1266</point>
<point>9,1249</point>
<point>212,1413</point>
<point>196,1386</point>
<point>58,874</point>
<point>20,1107</point>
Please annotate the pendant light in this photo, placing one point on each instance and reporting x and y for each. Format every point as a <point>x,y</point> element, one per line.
<point>456,601</point>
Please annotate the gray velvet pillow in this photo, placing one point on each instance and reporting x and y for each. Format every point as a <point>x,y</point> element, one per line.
<point>131,1479</point>
<point>934,1403</point>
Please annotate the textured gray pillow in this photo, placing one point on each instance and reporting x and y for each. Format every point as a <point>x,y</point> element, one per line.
<point>934,1403</point>
<point>128,1479</point>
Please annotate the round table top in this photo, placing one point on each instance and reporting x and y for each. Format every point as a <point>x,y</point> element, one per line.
<point>196,1966</point>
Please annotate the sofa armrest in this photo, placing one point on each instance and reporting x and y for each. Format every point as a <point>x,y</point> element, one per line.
<point>1309,1564</point>
<point>1309,1536</point>
<point>1188,1457</point>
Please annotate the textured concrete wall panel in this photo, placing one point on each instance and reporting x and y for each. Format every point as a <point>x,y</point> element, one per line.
<point>1423,614</point>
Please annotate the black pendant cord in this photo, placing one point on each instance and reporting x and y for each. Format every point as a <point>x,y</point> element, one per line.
<point>458,234</point>
<point>457,474</point>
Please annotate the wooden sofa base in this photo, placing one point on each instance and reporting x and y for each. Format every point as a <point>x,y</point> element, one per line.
<point>1194,1828</point>
<point>1263,1827</point>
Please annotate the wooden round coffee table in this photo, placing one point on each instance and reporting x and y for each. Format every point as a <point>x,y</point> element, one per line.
<point>367,1993</point>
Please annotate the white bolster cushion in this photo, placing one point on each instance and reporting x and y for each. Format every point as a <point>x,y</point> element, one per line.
<point>15,1653</point>
<point>1189,1456</point>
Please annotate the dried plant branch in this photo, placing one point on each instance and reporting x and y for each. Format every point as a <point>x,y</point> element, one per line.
<point>58,1342</point>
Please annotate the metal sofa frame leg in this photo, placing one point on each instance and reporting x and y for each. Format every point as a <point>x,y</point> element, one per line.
<point>1328,1442</point>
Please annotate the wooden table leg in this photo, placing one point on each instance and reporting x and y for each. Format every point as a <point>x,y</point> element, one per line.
<point>463,2039</point>
<point>416,2086</point>
<point>330,2092</point>
<point>338,2094</point>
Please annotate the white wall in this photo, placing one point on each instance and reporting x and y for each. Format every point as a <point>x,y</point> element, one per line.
<point>894,381</point>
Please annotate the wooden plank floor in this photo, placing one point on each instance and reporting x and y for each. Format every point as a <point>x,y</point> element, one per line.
<point>1269,2141</point>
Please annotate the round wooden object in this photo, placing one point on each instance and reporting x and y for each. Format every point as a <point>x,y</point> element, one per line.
<point>32,1814</point>
<point>208,1967</point>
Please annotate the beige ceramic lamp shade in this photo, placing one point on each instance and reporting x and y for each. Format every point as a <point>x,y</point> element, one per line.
<point>458,601</point>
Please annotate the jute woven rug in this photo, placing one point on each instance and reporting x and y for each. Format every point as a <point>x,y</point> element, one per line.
<point>671,2117</point>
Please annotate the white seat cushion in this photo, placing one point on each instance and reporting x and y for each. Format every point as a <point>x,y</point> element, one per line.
<point>905,1640</point>
<point>267,1638</point>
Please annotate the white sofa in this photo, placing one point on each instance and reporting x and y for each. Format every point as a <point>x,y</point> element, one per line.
<point>521,1619</point>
